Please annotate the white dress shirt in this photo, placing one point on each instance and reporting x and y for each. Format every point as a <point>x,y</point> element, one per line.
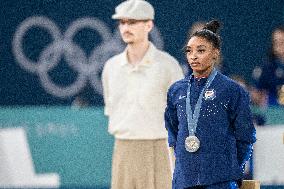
<point>135,95</point>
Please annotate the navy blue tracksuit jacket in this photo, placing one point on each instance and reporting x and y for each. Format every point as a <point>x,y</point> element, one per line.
<point>225,130</point>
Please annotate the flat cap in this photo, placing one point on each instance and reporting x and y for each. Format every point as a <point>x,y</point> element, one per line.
<point>134,9</point>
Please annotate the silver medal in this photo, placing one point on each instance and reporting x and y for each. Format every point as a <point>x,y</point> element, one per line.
<point>192,143</point>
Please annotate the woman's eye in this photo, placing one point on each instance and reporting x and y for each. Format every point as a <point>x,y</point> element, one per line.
<point>201,50</point>
<point>187,51</point>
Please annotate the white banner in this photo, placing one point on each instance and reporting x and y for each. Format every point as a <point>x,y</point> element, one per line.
<point>269,155</point>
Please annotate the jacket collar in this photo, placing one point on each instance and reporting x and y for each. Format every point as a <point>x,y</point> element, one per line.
<point>146,61</point>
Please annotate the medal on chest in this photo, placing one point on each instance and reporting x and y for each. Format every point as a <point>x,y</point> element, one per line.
<point>192,143</point>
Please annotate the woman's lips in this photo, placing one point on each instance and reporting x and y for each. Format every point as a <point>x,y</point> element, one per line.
<point>194,63</point>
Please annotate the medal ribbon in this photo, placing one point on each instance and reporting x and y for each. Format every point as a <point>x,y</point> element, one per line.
<point>192,118</point>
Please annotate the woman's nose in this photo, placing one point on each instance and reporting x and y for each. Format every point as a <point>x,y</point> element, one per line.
<point>193,57</point>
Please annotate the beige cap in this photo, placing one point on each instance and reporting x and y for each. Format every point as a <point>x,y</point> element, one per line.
<point>134,9</point>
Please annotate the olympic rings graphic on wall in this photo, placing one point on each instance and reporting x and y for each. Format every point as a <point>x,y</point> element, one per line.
<point>88,68</point>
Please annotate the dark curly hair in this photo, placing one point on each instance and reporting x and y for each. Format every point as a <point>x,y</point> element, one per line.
<point>210,33</point>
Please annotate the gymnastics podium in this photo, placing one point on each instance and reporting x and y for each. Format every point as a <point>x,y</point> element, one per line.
<point>16,167</point>
<point>250,184</point>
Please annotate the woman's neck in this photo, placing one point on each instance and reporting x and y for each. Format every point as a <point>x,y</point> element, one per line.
<point>203,73</point>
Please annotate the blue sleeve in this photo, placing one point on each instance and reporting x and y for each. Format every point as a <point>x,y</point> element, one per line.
<point>244,153</point>
<point>267,76</point>
<point>171,120</point>
<point>244,130</point>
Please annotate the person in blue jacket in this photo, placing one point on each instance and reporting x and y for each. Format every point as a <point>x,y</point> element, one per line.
<point>208,119</point>
<point>269,77</point>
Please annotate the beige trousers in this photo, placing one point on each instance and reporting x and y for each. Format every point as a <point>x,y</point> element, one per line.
<point>141,164</point>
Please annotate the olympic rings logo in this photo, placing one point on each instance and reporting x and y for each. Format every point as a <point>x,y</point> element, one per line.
<point>88,68</point>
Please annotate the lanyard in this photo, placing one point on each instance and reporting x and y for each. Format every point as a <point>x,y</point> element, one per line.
<point>192,118</point>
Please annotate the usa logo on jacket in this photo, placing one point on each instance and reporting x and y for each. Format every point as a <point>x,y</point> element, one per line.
<point>210,94</point>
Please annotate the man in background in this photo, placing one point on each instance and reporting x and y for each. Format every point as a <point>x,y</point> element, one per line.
<point>135,85</point>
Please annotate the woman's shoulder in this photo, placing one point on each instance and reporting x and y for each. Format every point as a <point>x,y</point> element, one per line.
<point>180,84</point>
<point>230,84</point>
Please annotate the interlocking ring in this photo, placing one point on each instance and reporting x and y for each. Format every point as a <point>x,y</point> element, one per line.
<point>63,46</point>
<point>17,45</point>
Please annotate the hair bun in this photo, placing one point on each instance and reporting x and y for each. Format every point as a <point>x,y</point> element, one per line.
<point>213,26</point>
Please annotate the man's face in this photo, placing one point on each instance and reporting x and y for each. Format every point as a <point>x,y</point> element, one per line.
<point>134,31</point>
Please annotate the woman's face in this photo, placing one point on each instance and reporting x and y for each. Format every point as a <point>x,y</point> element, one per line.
<point>201,55</point>
<point>278,43</point>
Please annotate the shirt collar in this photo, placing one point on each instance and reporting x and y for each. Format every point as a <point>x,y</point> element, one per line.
<point>146,61</point>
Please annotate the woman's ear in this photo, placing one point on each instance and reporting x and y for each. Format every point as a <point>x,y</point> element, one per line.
<point>216,54</point>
